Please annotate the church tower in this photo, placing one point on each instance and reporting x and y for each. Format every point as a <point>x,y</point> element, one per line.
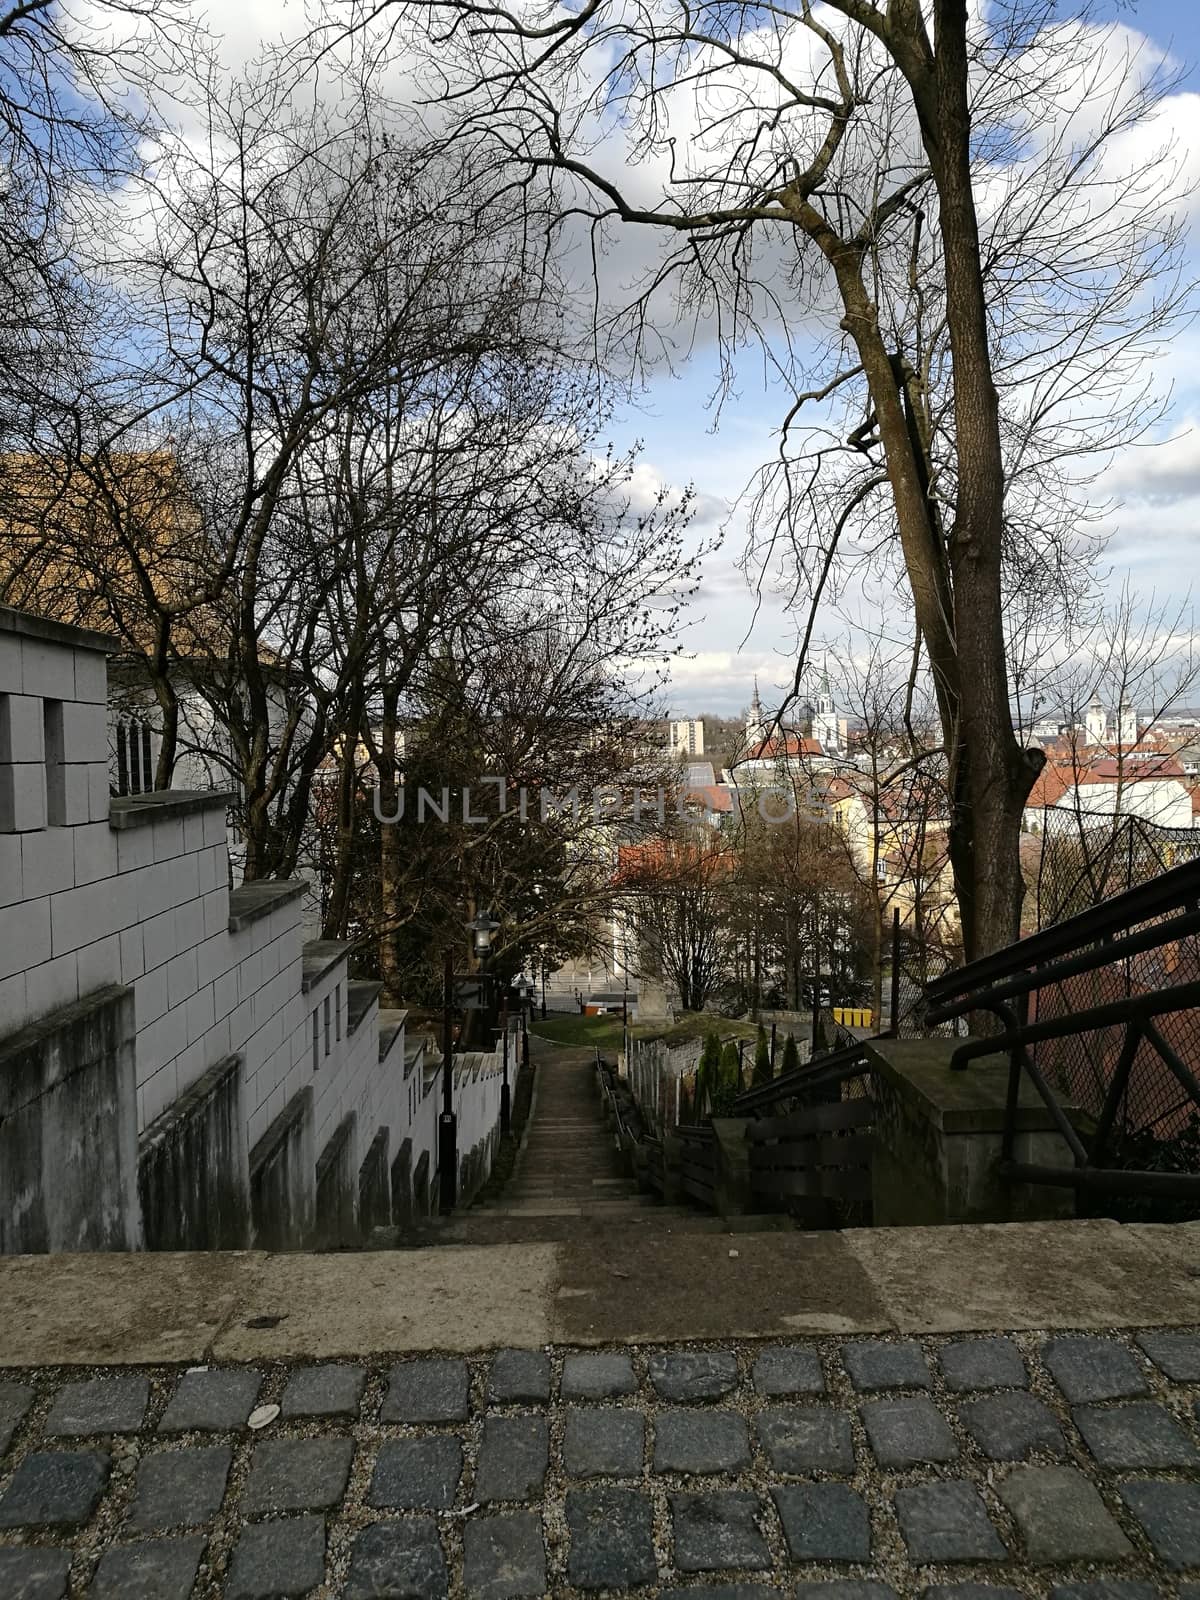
<point>756,726</point>
<point>1127,725</point>
<point>1096,722</point>
<point>824,718</point>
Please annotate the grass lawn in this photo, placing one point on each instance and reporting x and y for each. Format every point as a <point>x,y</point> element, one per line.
<point>605,1032</point>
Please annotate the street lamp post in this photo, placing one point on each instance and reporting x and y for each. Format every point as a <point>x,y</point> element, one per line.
<point>448,1122</point>
<point>505,1092</point>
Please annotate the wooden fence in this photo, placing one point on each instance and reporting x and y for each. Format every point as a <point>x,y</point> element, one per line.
<point>699,1164</point>
<point>816,1162</point>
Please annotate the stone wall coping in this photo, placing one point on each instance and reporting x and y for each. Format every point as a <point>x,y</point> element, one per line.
<point>65,633</point>
<point>144,810</point>
<point>33,1033</point>
<point>258,899</point>
<point>318,957</point>
<point>180,1109</point>
<point>361,994</point>
<point>295,1111</point>
<point>972,1101</point>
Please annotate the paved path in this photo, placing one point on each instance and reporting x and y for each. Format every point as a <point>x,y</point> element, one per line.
<point>567,1181</point>
<point>1059,1466</point>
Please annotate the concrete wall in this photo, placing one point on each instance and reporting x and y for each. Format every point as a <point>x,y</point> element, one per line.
<point>337,1189</point>
<point>283,1180</point>
<point>193,1176</point>
<point>68,1152</point>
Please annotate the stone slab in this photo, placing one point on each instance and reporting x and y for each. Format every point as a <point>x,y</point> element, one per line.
<point>142,1308</point>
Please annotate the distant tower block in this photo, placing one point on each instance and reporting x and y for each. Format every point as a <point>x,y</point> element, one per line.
<point>1096,722</point>
<point>1127,724</point>
<point>688,735</point>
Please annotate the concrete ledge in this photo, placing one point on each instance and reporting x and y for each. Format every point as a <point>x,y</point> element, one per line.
<point>956,1102</point>
<point>320,956</point>
<point>23,622</point>
<point>361,995</point>
<point>259,899</point>
<point>251,1307</point>
<point>144,810</point>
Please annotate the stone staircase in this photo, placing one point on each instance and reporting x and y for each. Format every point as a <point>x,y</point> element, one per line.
<point>567,1180</point>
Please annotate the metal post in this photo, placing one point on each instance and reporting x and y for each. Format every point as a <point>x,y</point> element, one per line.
<point>448,1122</point>
<point>895,1020</point>
<point>505,1097</point>
<point>543,988</point>
<point>525,1036</point>
<point>816,1016</point>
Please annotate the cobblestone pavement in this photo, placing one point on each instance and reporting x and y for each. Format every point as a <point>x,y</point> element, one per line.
<point>1063,1466</point>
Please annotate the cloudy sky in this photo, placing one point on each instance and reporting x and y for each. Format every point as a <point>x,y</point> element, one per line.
<point>733,635</point>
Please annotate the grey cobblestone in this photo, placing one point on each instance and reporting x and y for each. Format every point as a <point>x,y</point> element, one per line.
<point>1176,1354</point>
<point>787,1370</point>
<point>503,1557</point>
<point>758,1440</point>
<point>179,1488</point>
<point>682,1375</point>
<point>157,1569</point>
<point>1170,1515</point>
<point>1105,1589</point>
<point>1135,1436</point>
<point>970,1591</point>
<point>297,1475</point>
<point>846,1589</point>
<point>416,1474</point>
<point>1010,1427</point>
<point>15,1401</point>
<point>611,1538</point>
<point>331,1390</point>
<point>700,1442</point>
<point>716,1531</point>
<point>947,1522</point>
<point>54,1488</point>
<point>601,1375</point>
<point>513,1459</point>
<point>401,1556</point>
<point>1061,1516</point>
<point>807,1438</point>
<point>604,1443</point>
<point>994,1363</point>
<point>99,1405</point>
<point>277,1558</point>
<point>519,1376</point>
<point>427,1391</point>
<point>1088,1368</point>
<point>823,1522</point>
<point>906,1433</point>
<point>35,1574</point>
<point>874,1364</point>
<point>725,1591</point>
<point>213,1401</point>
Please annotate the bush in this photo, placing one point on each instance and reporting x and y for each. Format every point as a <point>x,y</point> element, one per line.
<point>708,1073</point>
<point>762,1057</point>
<point>791,1056</point>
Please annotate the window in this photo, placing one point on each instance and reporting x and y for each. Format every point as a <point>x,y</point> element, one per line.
<point>328,1020</point>
<point>316,1042</point>
<point>135,760</point>
<point>122,759</point>
<point>56,772</point>
<point>337,1013</point>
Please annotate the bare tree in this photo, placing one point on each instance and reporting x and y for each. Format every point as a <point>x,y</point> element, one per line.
<point>987,275</point>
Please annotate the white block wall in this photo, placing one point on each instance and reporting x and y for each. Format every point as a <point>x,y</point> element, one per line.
<point>140,896</point>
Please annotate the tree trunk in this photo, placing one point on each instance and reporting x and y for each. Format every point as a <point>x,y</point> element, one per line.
<point>994,774</point>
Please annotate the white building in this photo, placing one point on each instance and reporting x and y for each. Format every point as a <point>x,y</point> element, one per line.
<point>687,736</point>
<point>179,1069</point>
